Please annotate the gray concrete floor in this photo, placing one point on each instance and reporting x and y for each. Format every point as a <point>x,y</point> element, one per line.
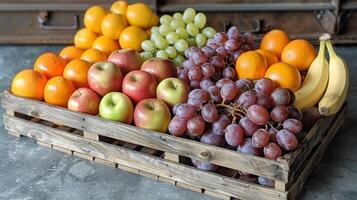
<point>32,172</point>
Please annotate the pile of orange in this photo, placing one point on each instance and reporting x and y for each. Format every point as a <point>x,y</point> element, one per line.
<point>279,59</point>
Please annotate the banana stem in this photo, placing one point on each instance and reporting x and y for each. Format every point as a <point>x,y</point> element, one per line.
<point>330,49</point>
<point>322,49</point>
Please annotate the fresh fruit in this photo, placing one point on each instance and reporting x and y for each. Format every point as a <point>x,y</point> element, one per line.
<point>275,41</point>
<point>58,90</point>
<point>298,53</point>
<point>112,25</point>
<point>29,83</point>
<point>315,83</point>
<point>131,38</point>
<point>119,7</point>
<point>116,106</point>
<point>270,57</point>
<point>160,68</point>
<point>284,75</point>
<point>126,59</point>
<point>84,100</point>
<point>84,38</point>
<point>50,65</point>
<point>140,14</point>
<point>70,53</point>
<point>76,71</point>
<point>251,65</point>
<point>104,44</point>
<point>337,87</point>
<point>287,140</point>
<point>139,85</point>
<point>152,114</point>
<point>93,56</point>
<point>172,91</point>
<point>104,77</point>
<point>93,18</point>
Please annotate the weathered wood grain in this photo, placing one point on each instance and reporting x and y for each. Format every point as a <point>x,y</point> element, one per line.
<point>217,195</point>
<point>144,162</point>
<point>224,157</point>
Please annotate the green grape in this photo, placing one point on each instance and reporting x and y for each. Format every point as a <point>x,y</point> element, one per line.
<point>182,33</point>
<point>209,32</point>
<point>189,15</point>
<point>146,55</point>
<point>181,45</point>
<point>191,41</point>
<point>172,37</point>
<point>155,35</point>
<point>177,15</point>
<point>171,52</point>
<point>200,20</point>
<point>148,45</point>
<point>165,19</point>
<point>200,40</point>
<point>161,54</point>
<point>161,43</point>
<point>155,29</point>
<point>164,29</point>
<point>192,29</point>
<point>177,23</point>
<point>179,60</point>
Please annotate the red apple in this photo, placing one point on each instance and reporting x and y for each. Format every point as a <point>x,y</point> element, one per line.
<point>84,100</point>
<point>139,85</point>
<point>126,59</point>
<point>172,91</point>
<point>104,77</point>
<point>160,68</point>
<point>152,114</point>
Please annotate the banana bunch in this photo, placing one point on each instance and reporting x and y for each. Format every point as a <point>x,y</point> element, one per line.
<point>326,83</point>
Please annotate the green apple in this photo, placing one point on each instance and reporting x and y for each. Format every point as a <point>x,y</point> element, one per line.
<point>172,91</point>
<point>116,106</point>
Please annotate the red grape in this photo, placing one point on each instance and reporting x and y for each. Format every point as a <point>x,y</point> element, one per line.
<point>263,100</point>
<point>209,113</point>
<point>279,113</point>
<point>246,99</point>
<point>215,93</point>
<point>248,126</point>
<point>292,125</point>
<point>217,74</point>
<point>211,138</point>
<point>258,114</point>
<point>174,109</point>
<point>272,132</point>
<point>222,51</point>
<point>195,85</point>
<point>229,72</point>
<point>196,126</point>
<point>234,135</point>
<point>204,165</point>
<point>231,45</point>
<point>196,102</point>
<point>209,52</point>
<point>272,151</point>
<point>183,75</point>
<point>249,37</point>
<point>217,61</point>
<point>292,96</point>
<point>205,83</point>
<point>229,91</point>
<point>236,54</point>
<point>221,124</point>
<point>190,50</point>
<point>199,57</point>
<point>295,113</point>
<point>208,70</point>
<point>199,93</point>
<point>247,147</point>
<point>178,126</point>
<point>233,33</point>
<point>244,84</point>
<point>223,81</point>
<point>266,182</point>
<point>220,37</point>
<point>188,64</point>
<point>280,96</point>
<point>212,44</point>
<point>185,111</point>
<point>245,47</point>
<point>195,74</point>
<point>264,86</point>
<point>260,138</point>
<point>287,140</point>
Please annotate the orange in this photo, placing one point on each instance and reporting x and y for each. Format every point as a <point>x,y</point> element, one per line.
<point>105,44</point>
<point>58,90</point>
<point>131,37</point>
<point>284,75</point>
<point>119,7</point>
<point>71,52</point>
<point>112,25</point>
<point>93,18</point>
<point>148,33</point>
<point>270,57</point>
<point>93,56</point>
<point>140,14</point>
<point>29,83</point>
<point>76,71</point>
<point>251,65</point>
<point>299,53</point>
<point>84,38</point>
<point>155,20</point>
<point>275,41</point>
<point>50,65</point>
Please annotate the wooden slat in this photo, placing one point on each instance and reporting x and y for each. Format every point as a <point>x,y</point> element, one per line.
<point>248,163</point>
<point>44,144</point>
<point>147,163</point>
<point>128,169</point>
<point>281,186</point>
<point>217,195</point>
<point>167,180</point>
<point>64,150</point>
<point>90,135</point>
<point>172,157</point>
<point>105,162</point>
<point>83,155</point>
<point>149,175</point>
<point>189,187</point>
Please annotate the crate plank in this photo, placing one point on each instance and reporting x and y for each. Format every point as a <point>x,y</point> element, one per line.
<point>83,155</point>
<point>104,162</point>
<point>189,187</point>
<point>90,135</point>
<point>217,195</point>
<point>149,175</point>
<point>128,169</point>
<point>167,180</point>
<point>150,164</point>
<point>44,144</point>
<point>248,163</point>
<point>172,157</point>
<point>61,149</point>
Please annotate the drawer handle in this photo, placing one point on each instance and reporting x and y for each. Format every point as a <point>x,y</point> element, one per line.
<point>44,17</point>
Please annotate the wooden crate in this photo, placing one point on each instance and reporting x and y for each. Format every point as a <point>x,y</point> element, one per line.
<point>164,157</point>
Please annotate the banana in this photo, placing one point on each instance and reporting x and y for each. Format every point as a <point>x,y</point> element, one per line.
<point>315,83</point>
<point>337,87</point>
